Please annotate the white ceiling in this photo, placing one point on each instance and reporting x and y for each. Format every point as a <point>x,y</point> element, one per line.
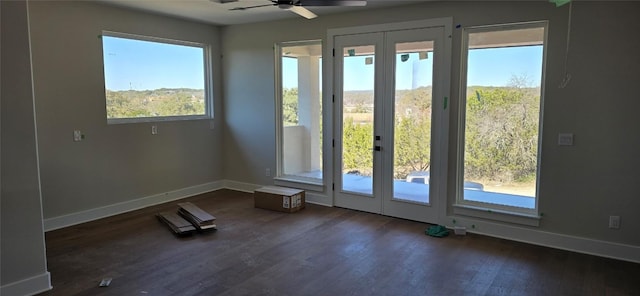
<point>213,12</point>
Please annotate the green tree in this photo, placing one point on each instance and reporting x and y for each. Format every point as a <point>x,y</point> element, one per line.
<point>412,132</point>
<point>501,137</point>
<point>159,102</point>
<point>290,106</point>
<point>412,145</point>
<point>357,142</point>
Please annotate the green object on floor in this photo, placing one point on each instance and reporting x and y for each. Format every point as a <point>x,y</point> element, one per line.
<point>437,231</point>
<point>559,3</point>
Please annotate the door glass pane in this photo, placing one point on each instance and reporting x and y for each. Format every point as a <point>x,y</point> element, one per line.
<point>412,120</point>
<point>504,79</point>
<point>357,119</point>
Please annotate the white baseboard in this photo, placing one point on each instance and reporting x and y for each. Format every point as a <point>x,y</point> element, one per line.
<point>30,286</point>
<point>240,186</point>
<point>549,239</point>
<point>127,206</point>
<point>319,199</point>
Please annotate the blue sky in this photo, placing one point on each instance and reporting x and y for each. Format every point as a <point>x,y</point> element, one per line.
<point>496,66</point>
<point>143,65</point>
<point>134,64</point>
<point>411,73</point>
<point>487,67</point>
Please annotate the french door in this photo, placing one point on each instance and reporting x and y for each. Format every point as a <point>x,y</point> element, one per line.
<point>390,122</point>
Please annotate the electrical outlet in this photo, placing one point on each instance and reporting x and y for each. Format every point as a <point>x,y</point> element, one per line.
<point>267,172</point>
<point>614,222</point>
<point>154,129</point>
<point>460,230</point>
<point>565,139</point>
<point>77,136</point>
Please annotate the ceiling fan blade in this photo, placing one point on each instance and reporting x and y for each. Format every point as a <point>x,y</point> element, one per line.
<point>303,12</point>
<point>248,7</point>
<point>223,1</point>
<point>332,3</point>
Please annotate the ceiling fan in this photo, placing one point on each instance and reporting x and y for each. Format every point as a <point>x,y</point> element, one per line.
<point>298,6</point>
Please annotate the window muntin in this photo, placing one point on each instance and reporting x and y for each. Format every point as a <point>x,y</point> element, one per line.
<point>154,79</point>
<point>502,112</point>
<point>300,111</point>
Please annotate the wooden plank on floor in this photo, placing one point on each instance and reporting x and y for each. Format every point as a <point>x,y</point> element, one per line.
<point>198,217</point>
<point>178,224</point>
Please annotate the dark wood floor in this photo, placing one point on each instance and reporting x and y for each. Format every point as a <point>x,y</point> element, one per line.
<point>318,251</point>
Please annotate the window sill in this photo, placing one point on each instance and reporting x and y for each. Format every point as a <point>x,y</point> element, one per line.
<point>301,183</point>
<point>111,121</point>
<point>497,215</point>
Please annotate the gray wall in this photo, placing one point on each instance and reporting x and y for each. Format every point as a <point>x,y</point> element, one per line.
<point>121,162</point>
<point>22,237</point>
<point>580,185</point>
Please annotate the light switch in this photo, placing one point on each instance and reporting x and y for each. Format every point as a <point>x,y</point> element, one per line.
<point>565,139</point>
<point>154,129</point>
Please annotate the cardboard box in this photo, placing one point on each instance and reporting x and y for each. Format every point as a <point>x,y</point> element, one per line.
<point>280,199</point>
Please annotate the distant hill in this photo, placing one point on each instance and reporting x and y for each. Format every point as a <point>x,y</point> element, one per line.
<point>153,103</point>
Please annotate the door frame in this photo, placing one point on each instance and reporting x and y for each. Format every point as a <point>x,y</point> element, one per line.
<point>440,136</point>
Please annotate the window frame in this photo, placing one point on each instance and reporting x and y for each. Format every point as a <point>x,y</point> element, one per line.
<point>208,79</point>
<point>505,213</point>
<point>314,184</point>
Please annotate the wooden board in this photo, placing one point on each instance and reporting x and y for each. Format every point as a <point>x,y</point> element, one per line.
<point>198,217</point>
<point>178,224</point>
<point>196,212</point>
<point>195,221</point>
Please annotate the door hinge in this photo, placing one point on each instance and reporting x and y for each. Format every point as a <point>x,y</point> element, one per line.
<point>334,52</point>
<point>333,186</point>
<point>333,98</point>
<point>333,143</point>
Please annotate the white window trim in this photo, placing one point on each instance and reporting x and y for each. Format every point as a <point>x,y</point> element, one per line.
<point>208,78</point>
<point>311,184</point>
<point>280,178</point>
<point>516,215</point>
<point>509,216</point>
